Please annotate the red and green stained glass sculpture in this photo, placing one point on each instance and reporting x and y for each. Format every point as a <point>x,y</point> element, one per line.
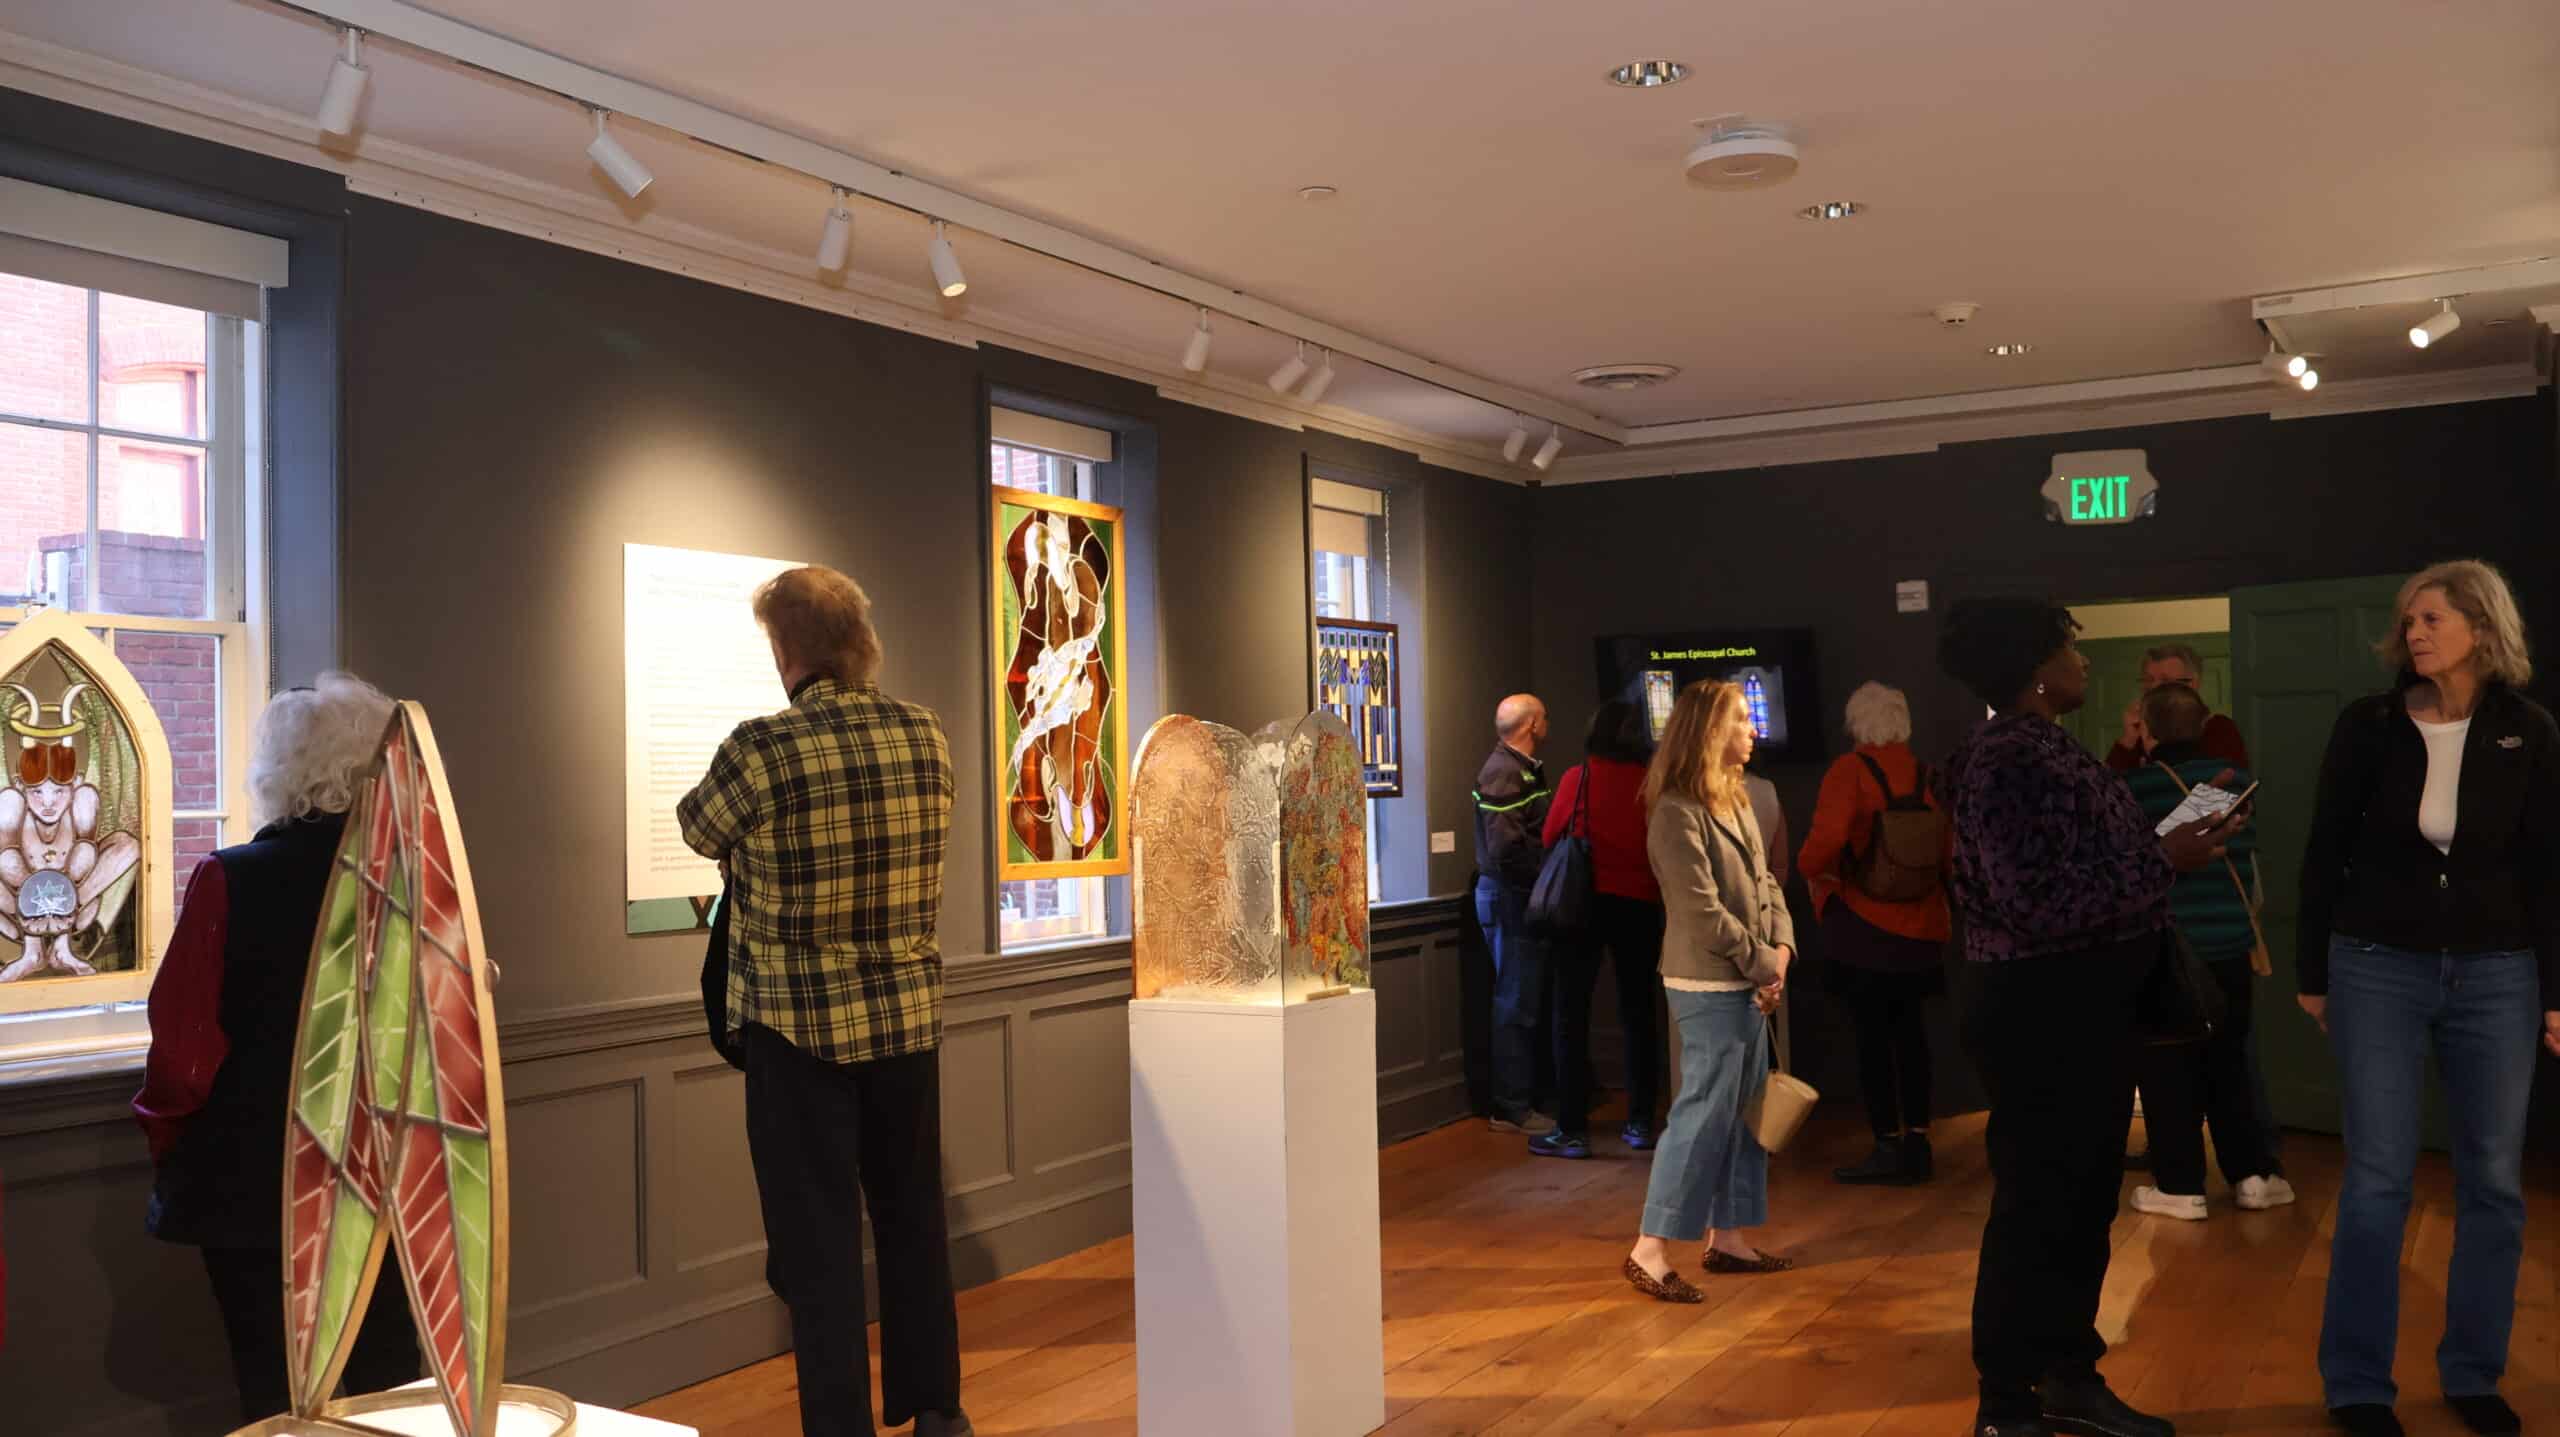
<point>397,1136</point>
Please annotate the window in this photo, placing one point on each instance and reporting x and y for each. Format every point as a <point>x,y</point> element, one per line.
<point>124,436</point>
<point>1350,523</point>
<point>1035,911</point>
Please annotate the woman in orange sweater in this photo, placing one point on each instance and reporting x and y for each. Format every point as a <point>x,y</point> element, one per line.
<point>1874,863</point>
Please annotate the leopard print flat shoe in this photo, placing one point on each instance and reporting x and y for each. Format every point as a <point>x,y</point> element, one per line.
<point>1725,1264</point>
<point>1670,1287</point>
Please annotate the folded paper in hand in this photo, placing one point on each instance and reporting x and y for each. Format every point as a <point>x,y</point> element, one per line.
<point>2202,802</point>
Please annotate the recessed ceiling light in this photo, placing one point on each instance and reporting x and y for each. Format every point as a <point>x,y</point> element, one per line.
<point>1318,192</point>
<point>2007,351</point>
<point>1648,74</point>
<point>1624,376</point>
<point>1831,210</point>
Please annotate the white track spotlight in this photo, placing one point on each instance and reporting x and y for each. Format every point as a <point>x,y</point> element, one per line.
<point>627,173</point>
<point>1320,381</point>
<point>835,241</point>
<point>345,90</point>
<point>2438,325</point>
<point>1291,372</point>
<point>2309,380</point>
<point>1545,458</point>
<point>1195,355</point>
<point>946,263</point>
<point>2282,366</point>
<point>1518,441</point>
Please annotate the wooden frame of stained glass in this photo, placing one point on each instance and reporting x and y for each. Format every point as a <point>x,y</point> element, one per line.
<point>1058,649</point>
<point>85,872</point>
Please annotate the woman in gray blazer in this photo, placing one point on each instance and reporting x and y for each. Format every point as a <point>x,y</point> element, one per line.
<point>1727,942</point>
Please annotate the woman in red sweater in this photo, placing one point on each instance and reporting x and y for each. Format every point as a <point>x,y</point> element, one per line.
<point>1883,925</point>
<point>1626,920</point>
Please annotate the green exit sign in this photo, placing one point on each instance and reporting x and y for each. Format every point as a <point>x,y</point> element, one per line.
<point>2104,486</point>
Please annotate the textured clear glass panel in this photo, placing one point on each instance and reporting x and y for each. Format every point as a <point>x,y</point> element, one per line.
<point>1324,842</point>
<point>44,329</point>
<point>70,825</point>
<point>1205,823</point>
<point>44,515</point>
<point>150,367</point>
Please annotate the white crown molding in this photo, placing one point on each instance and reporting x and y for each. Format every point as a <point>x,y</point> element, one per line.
<point>1980,401</point>
<point>1921,436</point>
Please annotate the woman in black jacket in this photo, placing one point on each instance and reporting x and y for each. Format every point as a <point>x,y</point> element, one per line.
<point>2431,916</point>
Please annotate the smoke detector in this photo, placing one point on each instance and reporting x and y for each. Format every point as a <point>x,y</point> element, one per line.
<point>1624,376</point>
<point>1737,153</point>
<point>1956,313</point>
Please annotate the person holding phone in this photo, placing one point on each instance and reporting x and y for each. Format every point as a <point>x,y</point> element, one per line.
<point>2063,886</point>
<point>2185,1084</point>
<point>2429,921</point>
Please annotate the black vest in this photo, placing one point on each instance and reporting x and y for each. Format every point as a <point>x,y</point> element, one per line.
<point>222,1182</point>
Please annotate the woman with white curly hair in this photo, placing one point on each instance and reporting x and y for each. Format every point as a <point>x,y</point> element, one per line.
<point>224,1008</point>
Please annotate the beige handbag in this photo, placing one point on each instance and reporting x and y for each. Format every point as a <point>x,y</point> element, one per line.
<point>1783,1103</point>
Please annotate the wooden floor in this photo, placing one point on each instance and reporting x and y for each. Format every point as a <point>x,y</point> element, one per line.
<point>1505,1313</point>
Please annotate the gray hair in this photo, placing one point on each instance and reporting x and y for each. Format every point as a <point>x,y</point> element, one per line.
<point>314,747</point>
<point>1879,714</point>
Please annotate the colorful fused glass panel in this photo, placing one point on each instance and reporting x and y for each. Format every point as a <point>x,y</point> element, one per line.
<point>394,1136</point>
<point>1062,736</point>
<point>1205,824</point>
<point>1324,862</point>
<point>71,824</point>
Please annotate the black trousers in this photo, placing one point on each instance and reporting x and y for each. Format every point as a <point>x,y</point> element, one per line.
<point>817,1132</point>
<point>1628,932</point>
<point>248,1288</point>
<point>2055,1041</point>
<point>1893,1060</point>
<point>2185,1086</point>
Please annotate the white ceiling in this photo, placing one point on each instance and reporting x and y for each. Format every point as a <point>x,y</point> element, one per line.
<point>2111,183</point>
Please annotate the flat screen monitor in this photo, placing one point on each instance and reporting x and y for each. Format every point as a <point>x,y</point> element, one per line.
<point>1774,667</point>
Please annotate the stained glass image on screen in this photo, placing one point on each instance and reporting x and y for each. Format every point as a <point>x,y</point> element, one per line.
<point>1773,666</point>
<point>71,822</point>
<point>396,1135</point>
<point>1324,875</point>
<point>1061,728</point>
<point>1661,690</point>
<point>1205,824</point>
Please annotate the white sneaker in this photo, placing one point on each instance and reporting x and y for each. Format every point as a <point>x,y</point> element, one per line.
<point>2260,1193</point>
<point>2160,1204</point>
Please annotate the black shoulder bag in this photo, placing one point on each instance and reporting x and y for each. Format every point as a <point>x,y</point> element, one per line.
<point>1560,904</point>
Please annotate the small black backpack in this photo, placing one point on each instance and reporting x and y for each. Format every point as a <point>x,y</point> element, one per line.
<point>1903,856</point>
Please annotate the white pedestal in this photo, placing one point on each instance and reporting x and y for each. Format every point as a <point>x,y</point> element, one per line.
<point>515,1421</point>
<point>1254,1138</point>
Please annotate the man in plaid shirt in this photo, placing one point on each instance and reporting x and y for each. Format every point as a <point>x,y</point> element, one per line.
<point>830,820</point>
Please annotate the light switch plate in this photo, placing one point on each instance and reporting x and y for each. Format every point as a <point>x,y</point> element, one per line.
<point>1444,843</point>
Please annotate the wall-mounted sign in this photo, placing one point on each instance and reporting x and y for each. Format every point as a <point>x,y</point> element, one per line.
<point>2101,486</point>
<point>1911,596</point>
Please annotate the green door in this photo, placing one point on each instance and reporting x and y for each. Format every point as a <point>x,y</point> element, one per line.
<point>2300,653</point>
<point>2115,679</point>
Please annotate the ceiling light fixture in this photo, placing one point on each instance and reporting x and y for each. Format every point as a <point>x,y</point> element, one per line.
<point>1317,192</point>
<point>835,240</point>
<point>1736,153</point>
<point>946,263</point>
<point>345,90</point>
<point>1291,372</point>
<point>2437,326</point>
<point>1831,210</point>
<point>2007,351</point>
<point>1545,458</point>
<point>2309,379</point>
<point>1320,381</point>
<point>627,173</point>
<point>1649,74</point>
<point>1518,441</point>
<point>1622,377</point>
<point>1195,355</point>
<point>2285,366</point>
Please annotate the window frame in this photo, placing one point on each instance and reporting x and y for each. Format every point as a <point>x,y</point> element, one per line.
<point>239,627</point>
<point>1372,600</point>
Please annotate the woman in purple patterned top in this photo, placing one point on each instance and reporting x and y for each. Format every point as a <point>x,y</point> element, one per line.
<point>2063,891</point>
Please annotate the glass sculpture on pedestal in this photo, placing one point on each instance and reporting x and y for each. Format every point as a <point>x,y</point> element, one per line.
<point>1252,862</point>
<point>396,1134</point>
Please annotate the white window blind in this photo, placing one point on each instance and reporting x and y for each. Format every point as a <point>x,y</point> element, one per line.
<point>1056,436</point>
<point>90,243</point>
<point>1339,533</point>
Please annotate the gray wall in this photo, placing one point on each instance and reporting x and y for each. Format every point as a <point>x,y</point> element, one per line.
<point>513,414</point>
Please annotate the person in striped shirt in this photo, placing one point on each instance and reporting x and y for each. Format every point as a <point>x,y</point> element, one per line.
<point>2186,1086</point>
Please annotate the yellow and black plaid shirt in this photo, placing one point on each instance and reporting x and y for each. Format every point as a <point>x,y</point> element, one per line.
<point>832,817</point>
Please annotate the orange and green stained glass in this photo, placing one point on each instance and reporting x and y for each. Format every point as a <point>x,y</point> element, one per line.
<point>395,1138</point>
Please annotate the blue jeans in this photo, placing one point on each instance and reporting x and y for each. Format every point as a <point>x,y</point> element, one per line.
<point>1519,996</point>
<point>1710,1172</point>
<point>2483,1016</point>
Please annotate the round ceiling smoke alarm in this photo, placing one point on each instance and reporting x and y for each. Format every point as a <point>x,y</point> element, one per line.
<point>1625,376</point>
<point>1735,153</point>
